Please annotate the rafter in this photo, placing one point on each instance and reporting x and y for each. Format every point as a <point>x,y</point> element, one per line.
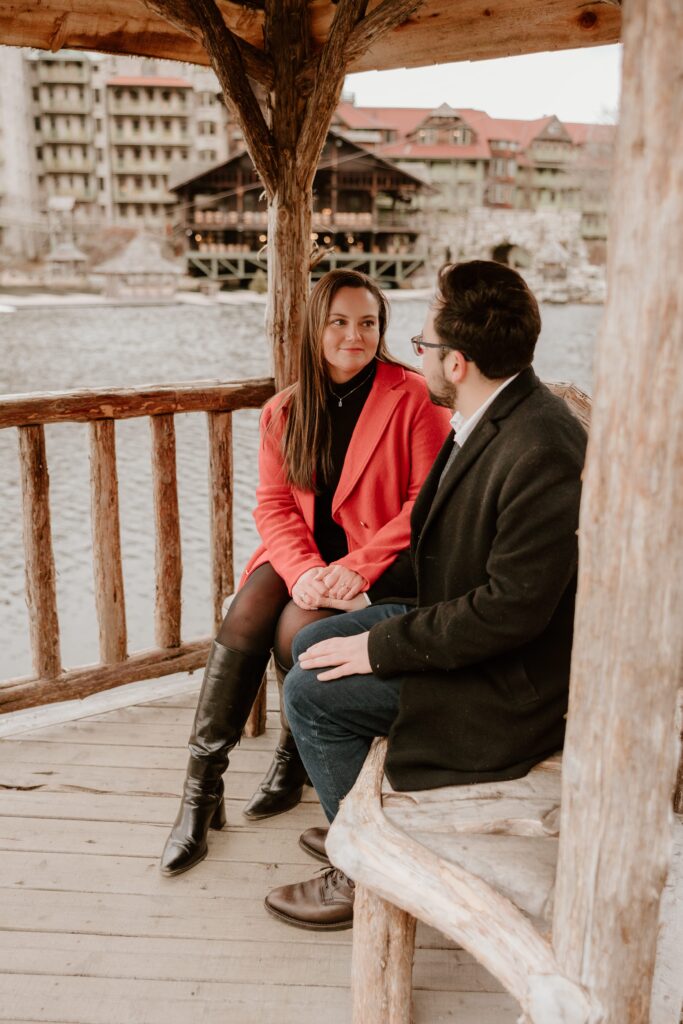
<point>328,81</point>
<point>383,18</point>
<point>224,54</point>
<point>181,13</point>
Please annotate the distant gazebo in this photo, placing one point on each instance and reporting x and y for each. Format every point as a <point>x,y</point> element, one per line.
<point>140,270</point>
<point>66,263</point>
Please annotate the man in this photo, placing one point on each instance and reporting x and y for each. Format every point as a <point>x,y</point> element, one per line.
<point>469,680</point>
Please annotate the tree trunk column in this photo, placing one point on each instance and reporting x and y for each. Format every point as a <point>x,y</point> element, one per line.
<point>289,246</point>
<point>622,749</point>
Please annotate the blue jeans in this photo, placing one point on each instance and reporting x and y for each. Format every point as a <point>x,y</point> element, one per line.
<point>335,722</point>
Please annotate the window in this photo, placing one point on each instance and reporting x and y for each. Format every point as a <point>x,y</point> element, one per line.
<point>99,153</point>
<point>36,94</point>
<point>100,184</point>
<point>98,95</point>
<point>136,124</point>
<point>166,125</point>
<point>153,180</point>
<point>39,153</point>
<point>152,152</point>
<point>36,123</point>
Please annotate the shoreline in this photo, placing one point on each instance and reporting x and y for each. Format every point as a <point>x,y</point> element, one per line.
<point>12,302</point>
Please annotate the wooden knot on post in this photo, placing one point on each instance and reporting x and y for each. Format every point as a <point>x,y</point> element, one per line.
<point>588,20</point>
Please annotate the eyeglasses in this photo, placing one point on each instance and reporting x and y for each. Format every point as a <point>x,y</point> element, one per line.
<point>419,346</point>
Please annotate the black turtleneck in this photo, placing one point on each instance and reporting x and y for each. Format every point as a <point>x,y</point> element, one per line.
<point>329,536</point>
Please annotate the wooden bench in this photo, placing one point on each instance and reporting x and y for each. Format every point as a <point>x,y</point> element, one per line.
<point>479,863</point>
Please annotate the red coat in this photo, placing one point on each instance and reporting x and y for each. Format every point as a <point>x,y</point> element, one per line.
<point>393,446</point>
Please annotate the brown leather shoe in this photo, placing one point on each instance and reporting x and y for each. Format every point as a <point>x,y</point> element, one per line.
<point>313,842</point>
<point>323,904</point>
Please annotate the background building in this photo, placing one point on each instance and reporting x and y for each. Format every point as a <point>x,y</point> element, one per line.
<point>18,209</point>
<point>130,142</point>
<point>364,217</point>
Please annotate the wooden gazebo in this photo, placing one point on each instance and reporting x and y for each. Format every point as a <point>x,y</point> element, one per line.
<point>618,783</point>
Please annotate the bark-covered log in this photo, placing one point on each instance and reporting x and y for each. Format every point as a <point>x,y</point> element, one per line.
<point>41,595</point>
<point>168,559</point>
<point>256,722</point>
<point>106,537</point>
<point>382,960</point>
<point>621,749</point>
<point>125,403</point>
<point>220,497</point>
<point>73,684</point>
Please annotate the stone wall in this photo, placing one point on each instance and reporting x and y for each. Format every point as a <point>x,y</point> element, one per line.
<point>545,246</point>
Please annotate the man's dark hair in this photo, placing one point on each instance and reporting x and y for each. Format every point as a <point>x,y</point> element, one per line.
<point>487,312</point>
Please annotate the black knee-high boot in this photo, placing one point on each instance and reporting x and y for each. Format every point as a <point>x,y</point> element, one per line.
<point>231,682</point>
<point>283,783</point>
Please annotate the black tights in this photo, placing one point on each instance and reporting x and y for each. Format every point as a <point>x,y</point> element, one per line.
<point>263,617</point>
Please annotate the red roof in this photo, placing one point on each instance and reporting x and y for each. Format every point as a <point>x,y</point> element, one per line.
<point>150,81</point>
<point>407,120</point>
<point>583,133</point>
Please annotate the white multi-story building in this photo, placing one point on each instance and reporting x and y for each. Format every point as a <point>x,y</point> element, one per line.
<point>19,212</point>
<point>104,131</point>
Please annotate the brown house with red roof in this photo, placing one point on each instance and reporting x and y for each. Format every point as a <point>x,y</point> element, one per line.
<point>474,160</point>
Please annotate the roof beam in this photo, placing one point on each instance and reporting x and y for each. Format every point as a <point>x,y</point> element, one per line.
<point>440,31</point>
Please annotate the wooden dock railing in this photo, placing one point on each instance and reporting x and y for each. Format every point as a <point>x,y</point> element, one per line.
<point>101,408</point>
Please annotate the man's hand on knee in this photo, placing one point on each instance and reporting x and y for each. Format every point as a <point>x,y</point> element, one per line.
<point>347,654</point>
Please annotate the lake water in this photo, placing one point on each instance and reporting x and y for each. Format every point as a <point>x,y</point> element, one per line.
<point>57,348</point>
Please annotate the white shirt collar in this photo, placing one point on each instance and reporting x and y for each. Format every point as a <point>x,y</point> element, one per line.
<point>464,427</point>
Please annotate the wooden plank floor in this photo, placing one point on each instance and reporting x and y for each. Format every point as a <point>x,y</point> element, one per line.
<point>91,933</point>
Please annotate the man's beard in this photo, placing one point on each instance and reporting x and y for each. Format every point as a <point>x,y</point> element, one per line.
<point>446,395</point>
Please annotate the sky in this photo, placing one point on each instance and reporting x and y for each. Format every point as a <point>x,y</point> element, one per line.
<point>576,85</point>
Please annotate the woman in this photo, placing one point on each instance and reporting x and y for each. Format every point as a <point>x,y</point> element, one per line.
<point>343,454</point>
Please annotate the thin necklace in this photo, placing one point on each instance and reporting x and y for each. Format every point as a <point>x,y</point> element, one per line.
<point>341,398</point>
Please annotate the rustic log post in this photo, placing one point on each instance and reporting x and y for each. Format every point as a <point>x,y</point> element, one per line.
<point>255,724</point>
<point>220,496</point>
<point>382,961</point>
<point>41,595</point>
<point>622,746</point>
<point>106,535</point>
<point>167,555</point>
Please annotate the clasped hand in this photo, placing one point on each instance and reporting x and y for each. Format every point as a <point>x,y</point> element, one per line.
<point>329,586</point>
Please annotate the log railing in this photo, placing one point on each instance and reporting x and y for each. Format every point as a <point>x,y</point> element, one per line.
<point>101,408</point>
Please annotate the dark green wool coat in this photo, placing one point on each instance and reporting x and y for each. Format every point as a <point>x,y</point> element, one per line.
<point>484,656</point>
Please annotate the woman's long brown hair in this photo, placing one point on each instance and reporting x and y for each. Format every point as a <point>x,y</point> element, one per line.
<point>307,437</point>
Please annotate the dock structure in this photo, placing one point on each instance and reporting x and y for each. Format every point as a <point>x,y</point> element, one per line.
<point>91,930</point>
<point>364,217</point>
